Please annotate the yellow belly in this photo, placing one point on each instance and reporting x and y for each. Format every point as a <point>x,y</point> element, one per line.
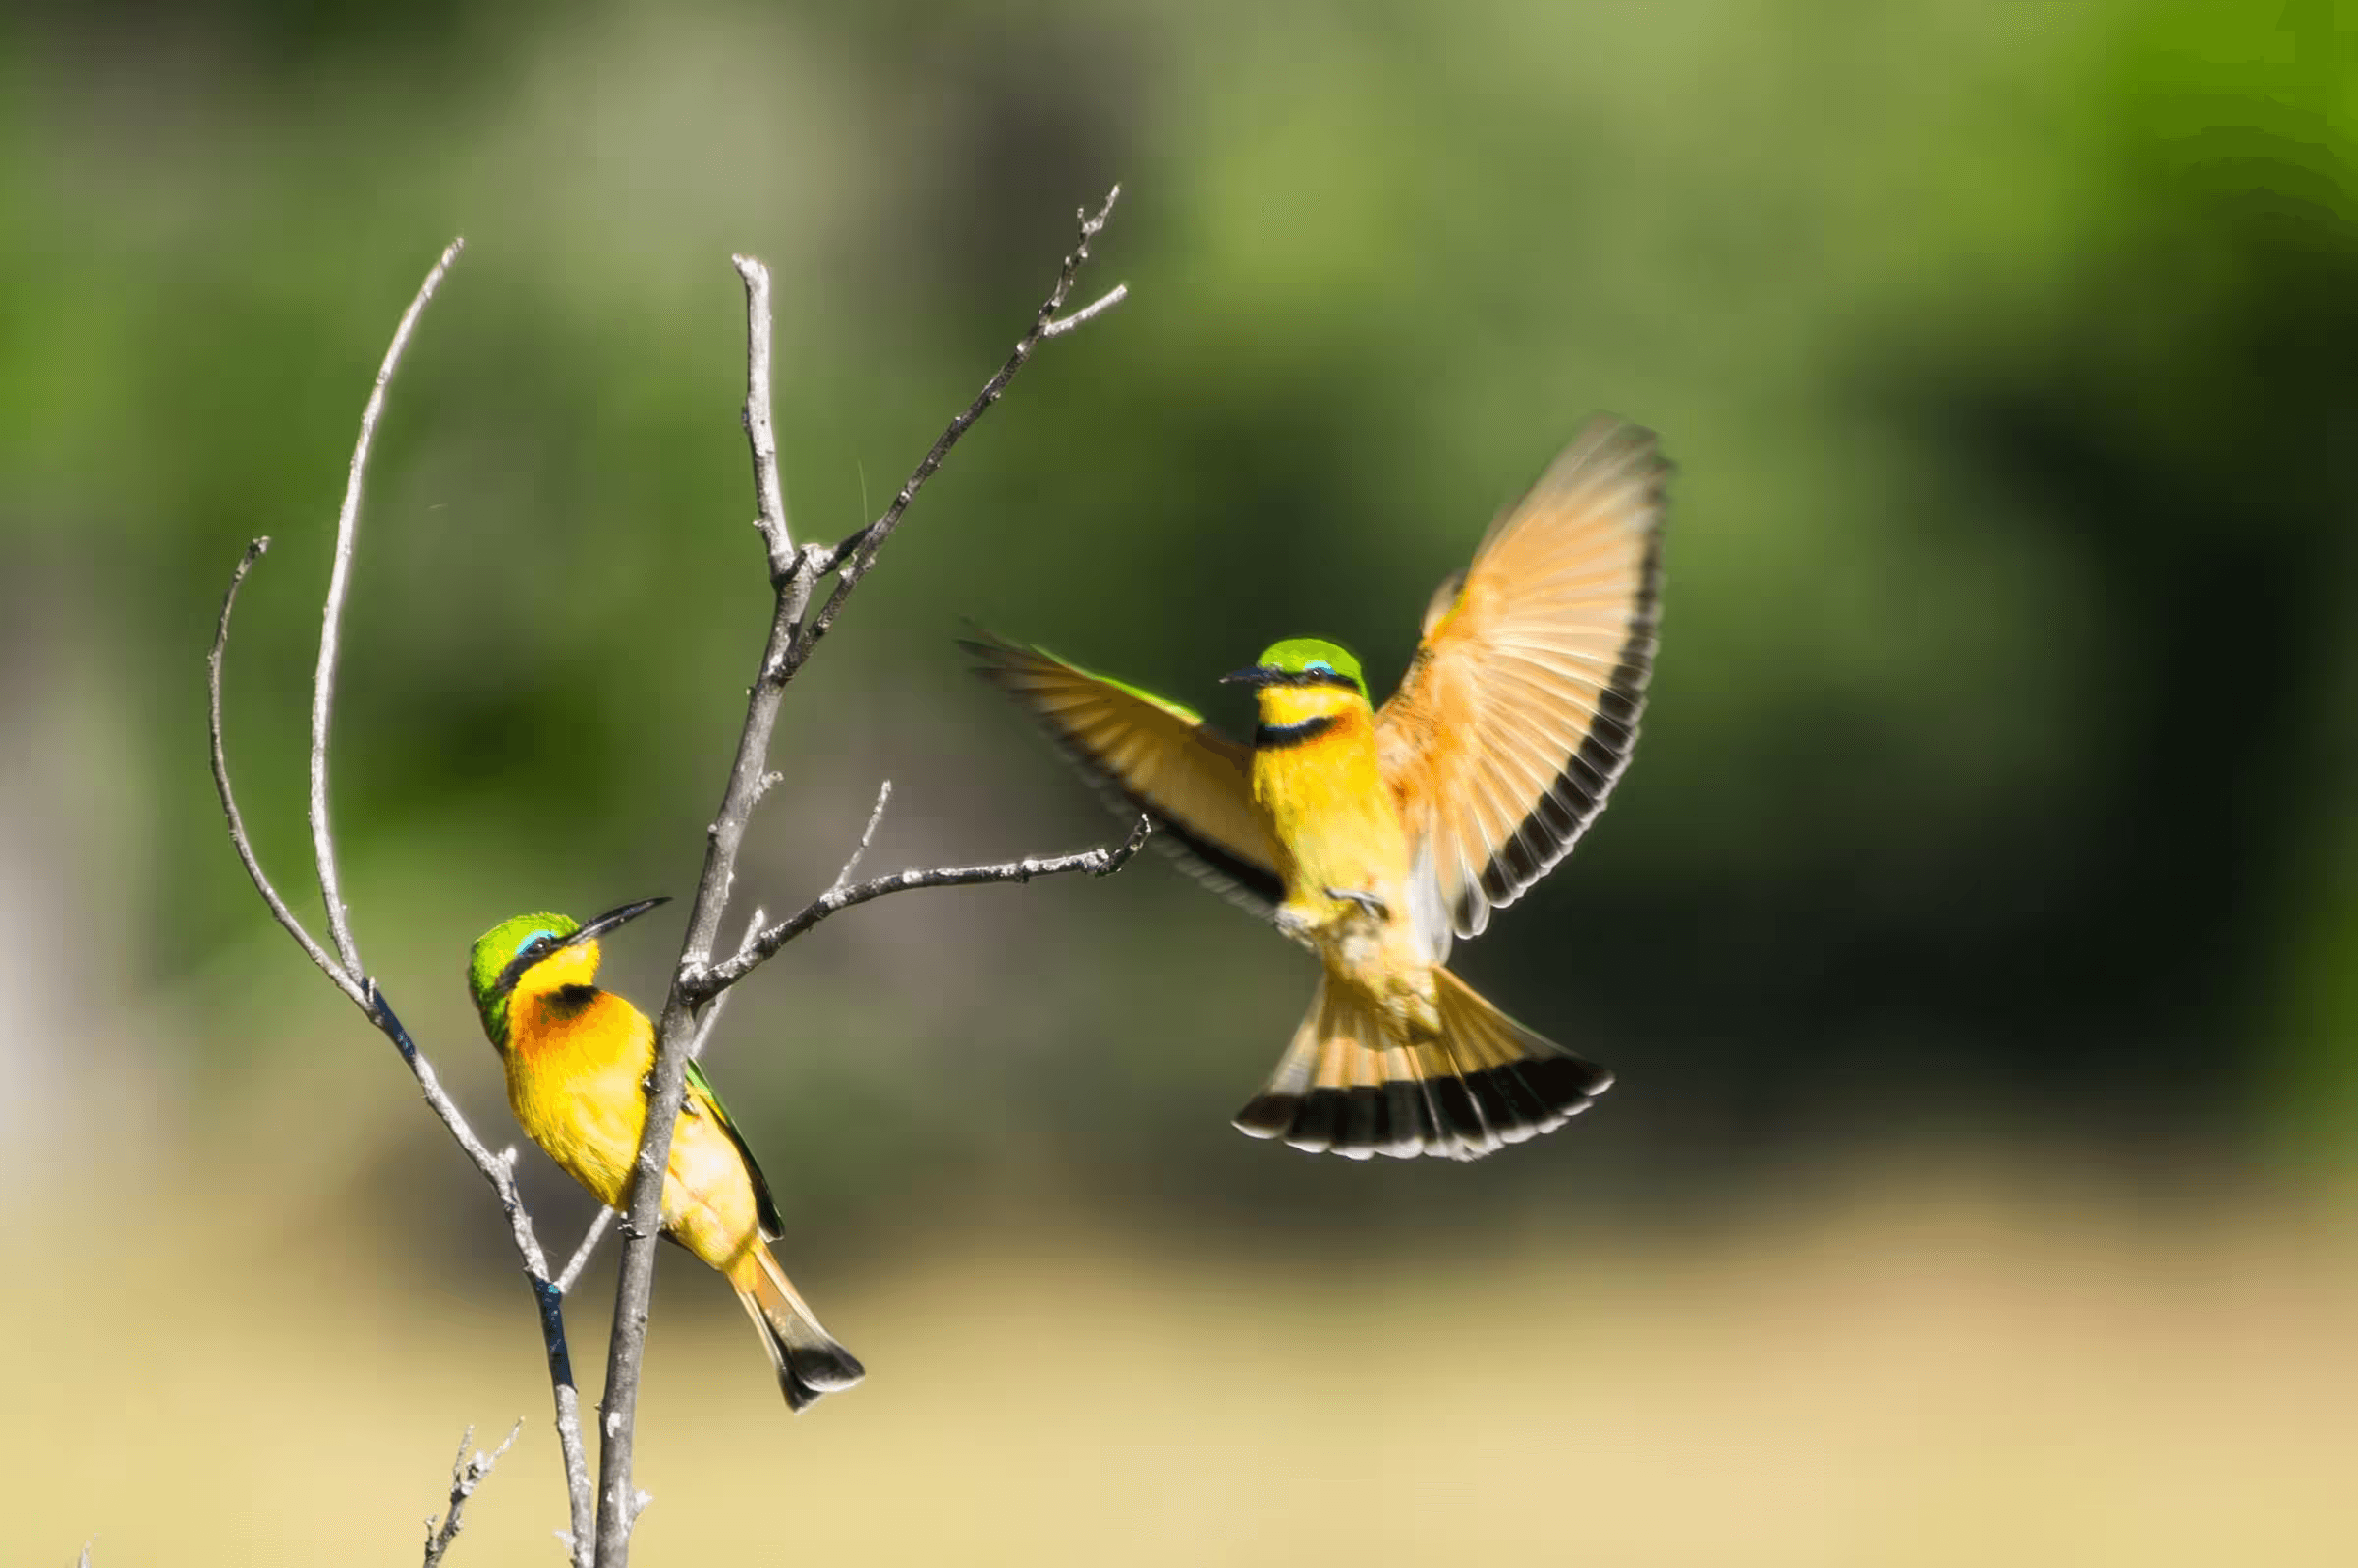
<point>1337,831</point>
<point>574,1083</point>
<point>1332,817</point>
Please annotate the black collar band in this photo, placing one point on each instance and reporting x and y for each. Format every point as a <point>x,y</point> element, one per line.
<point>1277,737</point>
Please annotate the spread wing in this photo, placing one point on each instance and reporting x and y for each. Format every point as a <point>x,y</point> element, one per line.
<point>1148,755</point>
<point>1520,709</point>
<point>701,1100</point>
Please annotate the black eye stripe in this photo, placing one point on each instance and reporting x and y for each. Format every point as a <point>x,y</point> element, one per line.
<point>1313,678</point>
<point>527,956</point>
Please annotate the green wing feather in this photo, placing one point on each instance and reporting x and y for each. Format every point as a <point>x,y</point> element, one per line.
<point>1150,754</point>
<point>703,1102</point>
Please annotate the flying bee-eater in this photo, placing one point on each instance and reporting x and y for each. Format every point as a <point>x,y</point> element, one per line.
<point>578,1060</point>
<point>1375,836</point>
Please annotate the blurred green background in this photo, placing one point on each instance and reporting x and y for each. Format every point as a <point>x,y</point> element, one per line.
<point>1976,936</point>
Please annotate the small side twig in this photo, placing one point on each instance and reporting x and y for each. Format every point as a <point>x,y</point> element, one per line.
<point>465,1474</point>
<point>580,1255</point>
<point>745,944</point>
<point>238,838</point>
<point>1088,312</point>
<point>867,837</point>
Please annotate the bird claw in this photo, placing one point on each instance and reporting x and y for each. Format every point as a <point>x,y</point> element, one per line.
<point>1369,902</point>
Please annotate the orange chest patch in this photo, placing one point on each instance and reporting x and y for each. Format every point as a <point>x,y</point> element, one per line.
<point>575,1074</point>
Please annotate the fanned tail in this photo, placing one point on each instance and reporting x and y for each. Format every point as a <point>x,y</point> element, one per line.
<point>1346,1087</point>
<point>810,1363</point>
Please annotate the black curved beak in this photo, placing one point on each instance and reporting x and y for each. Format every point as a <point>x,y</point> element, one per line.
<point>592,930</point>
<point>1256,675</point>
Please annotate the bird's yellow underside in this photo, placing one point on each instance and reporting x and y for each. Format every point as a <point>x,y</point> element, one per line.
<point>576,1073</point>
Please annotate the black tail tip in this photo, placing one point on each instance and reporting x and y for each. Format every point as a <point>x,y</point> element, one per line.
<point>1460,1119</point>
<point>809,1376</point>
<point>1269,1115</point>
<point>1357,1123</point>
<point>1535,1096</point>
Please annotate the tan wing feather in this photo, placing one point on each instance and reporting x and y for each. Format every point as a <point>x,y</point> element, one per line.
<point>1520,710</point>
<point>1149,756</point>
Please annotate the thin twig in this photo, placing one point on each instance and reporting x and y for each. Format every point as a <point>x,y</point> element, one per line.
<point>712,1019</point>
<point>1088,312</point>
<point>351,976</point>
<point>580,1255</point>
<point>867,836</point>
<point>229,804</point>
<point>465,1474</point>
<point>769,494</point>
<point>793,634</point>
<point>714,982</point>
<point>331,619</point>
<point>857,554</point>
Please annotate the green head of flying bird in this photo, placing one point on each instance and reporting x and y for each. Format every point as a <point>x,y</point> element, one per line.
<point>1378,837</point>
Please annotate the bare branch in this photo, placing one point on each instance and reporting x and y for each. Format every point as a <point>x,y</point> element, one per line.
<point>465,1474</point>
<point>793,634</point>
<point>349,975</point>
<point>323,686</point>
<point>714,982</point>
<point>768,492</point>
<point>867,836</point>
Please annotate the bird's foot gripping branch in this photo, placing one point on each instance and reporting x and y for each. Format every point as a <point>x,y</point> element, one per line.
<point>600,1518</point>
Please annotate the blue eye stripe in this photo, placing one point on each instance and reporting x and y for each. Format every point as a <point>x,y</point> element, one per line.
<point>1318,666</point>
<point>535,937</point>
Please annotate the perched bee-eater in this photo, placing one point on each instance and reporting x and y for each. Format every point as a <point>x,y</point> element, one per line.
<point>578,1060</point>
<point>1374,836</point>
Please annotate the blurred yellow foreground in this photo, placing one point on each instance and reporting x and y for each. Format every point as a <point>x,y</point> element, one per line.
<point>1943,1371</point>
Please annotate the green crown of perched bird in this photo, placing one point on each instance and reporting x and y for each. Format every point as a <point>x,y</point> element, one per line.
<point>1376,836</point>
<point>577,1062</point>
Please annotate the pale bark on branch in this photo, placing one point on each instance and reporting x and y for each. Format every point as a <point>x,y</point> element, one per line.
<point>793,634</point>
<point>601,1518</point>
<point>345,968</point>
